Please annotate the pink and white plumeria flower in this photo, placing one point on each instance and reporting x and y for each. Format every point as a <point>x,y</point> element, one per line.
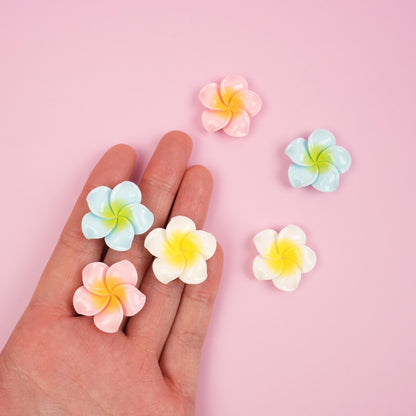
<point>108,294</point>
<point>230,106</point>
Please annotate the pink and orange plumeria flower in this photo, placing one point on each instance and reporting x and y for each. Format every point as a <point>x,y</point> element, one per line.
<point>108,294</point>
<point>230,106</point>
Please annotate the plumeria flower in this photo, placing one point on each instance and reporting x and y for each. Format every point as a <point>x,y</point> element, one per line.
<point>108,294</point>
<point>317,162</point>
<point>230,106</point>
<point>181,251</point>
<point>283,257</point>
<point>117,215</point>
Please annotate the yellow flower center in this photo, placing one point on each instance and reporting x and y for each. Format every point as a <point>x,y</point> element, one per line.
<point>181,249</point>
<point>283,257</point>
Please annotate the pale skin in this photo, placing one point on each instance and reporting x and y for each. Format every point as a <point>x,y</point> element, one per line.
<point>57,363</point>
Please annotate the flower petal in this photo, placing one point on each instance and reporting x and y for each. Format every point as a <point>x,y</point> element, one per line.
<point>180,223</point>
<point>93,278</point>
<point>88,304</point>
<point>263,240</point>
<point>247,100</point>
<point>337,156</point>
<point>293,233</point>
<point>196,273</point>
<point>309,259</point>
<point>131,299</point>
<point>122,272</point>
<point>319,140</point>
<point>328,178</point>
<point>99,202</point>
<point>298,151</point>
<point>230,85</point>
<point>288,283</point>
<point>121,237</point>
<point>110,318</point>
<point>164,271</point>
<point>210,97</point>
<point>261,270</point>
<point>140,217</point>
<point>154,241</point>
<point>207,242</point>
<point>239,123</point>
<point>215,120</point>
<point>123,194</point>
<point>96,227</point>
<point>301,176</point>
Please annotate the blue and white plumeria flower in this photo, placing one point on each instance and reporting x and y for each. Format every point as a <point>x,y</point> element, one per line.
<point>116,215</point>
<point>317,162</point>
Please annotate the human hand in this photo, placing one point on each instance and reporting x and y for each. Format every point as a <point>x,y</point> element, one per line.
<point>57,363</point>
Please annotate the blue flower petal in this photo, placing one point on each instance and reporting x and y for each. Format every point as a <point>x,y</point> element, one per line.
<point>96,227</point>
<point>123,194</point>
<point>328,178</point>
<point>337,156</point>
<point>318,141</point>
<point>121,237</point>
<point>298,151</point>
<point>99,202</point>
<point>300,176</point>
<point>139,216</point>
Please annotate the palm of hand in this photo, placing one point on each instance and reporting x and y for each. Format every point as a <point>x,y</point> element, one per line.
<point>58,363</point>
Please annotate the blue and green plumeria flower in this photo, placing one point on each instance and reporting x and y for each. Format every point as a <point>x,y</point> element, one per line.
<point>116,215</point>
<point>317,162</point>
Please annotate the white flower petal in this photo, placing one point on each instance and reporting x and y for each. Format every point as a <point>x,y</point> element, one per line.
<point>96,227</point>
<point>99,202</point>
<point>288,283</point>
<point>123,194</point>
<point>121,237</point>
<point>260,269</point>
<point>309,259</point>
<point>294,233</point>
<point>298,152</point>
<point>196,273</point>
<point>208,243</point>
<point>155,240</point>
<point>180,223</point>
<point>301,176</point>
<point>328,178</point>
<point>263,240</point>
<point>164,271</point>
<point>319,140</point>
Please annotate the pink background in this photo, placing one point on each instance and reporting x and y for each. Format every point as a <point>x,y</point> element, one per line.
<point>79,76</point>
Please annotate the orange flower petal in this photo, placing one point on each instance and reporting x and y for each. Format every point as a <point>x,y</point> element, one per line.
<point>131,299</point>
<point>110,318</point>
<point>230,85</point>
<point>210,97</point>
<point>87,303</point>
<point>239,123</point>
<point>247,100</point>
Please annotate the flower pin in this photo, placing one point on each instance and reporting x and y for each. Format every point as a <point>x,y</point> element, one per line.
<point>108,294</point>
<point>283,257</point>
<point>230,106</point>
<point>181,251</point>
<point>117,215</point>
<point>317,162</point>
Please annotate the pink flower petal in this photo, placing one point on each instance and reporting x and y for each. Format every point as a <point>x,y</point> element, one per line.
<point>131,299</point>
<point>248,100</point>
<point>86,303</point>
<point>93,278</point>
<point>215,120</point>
<point>210,97</point>
<point>239,124</point>
<point>230,85</point>
<point>119,273</point>
<point>110,318</point>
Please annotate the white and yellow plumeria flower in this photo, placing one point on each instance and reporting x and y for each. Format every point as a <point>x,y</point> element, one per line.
<point>283,257</point>
<point>181,251</point>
